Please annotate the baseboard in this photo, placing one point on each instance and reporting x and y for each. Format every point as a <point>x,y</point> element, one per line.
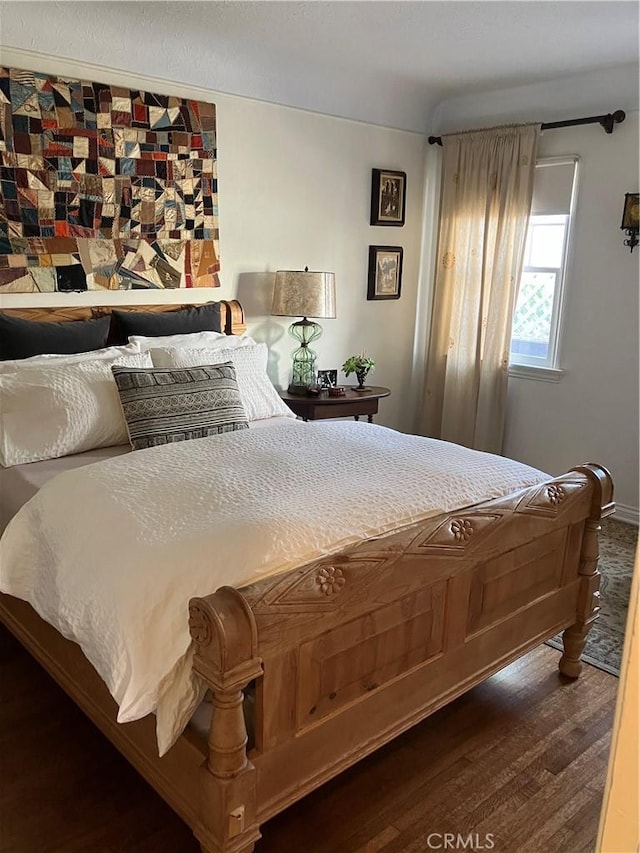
<point>628,514</point>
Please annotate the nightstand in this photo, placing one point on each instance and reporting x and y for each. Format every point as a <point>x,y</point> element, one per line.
<point>352,405</point>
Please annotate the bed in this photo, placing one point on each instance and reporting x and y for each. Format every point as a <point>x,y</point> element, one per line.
<point>325,662</point>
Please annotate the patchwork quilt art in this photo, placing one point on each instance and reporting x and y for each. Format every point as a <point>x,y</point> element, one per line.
<point>103,187</point>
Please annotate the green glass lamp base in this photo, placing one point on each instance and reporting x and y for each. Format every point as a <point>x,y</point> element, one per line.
<point>304,358</point>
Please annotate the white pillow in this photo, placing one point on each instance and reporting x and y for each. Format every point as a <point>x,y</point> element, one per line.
<point>52,411</point>
<point>57,359</point>
<point>192,340</point>
<point>259,398</point>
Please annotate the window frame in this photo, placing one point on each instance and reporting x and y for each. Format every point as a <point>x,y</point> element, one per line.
<point>549,369</point>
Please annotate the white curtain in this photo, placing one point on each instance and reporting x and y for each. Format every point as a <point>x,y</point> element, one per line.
<point>487,185</point>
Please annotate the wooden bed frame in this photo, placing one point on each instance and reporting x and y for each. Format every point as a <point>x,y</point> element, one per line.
<point>349,651</point>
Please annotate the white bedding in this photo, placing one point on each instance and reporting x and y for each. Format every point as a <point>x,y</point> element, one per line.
<point>111,554</point>
<point>20,483</point>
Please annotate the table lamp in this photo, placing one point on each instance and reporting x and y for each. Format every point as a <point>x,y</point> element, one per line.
<point>307,294</point>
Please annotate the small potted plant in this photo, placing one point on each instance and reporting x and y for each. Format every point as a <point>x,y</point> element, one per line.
<point>360,365</point>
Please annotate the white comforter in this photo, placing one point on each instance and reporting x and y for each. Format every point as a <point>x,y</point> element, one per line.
<point>111,554</point>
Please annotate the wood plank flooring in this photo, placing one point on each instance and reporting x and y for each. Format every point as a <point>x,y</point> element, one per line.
<point>519,762</point>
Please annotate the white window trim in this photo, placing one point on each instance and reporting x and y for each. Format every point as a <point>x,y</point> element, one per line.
<point>527,368</point>
<point>532,371</point>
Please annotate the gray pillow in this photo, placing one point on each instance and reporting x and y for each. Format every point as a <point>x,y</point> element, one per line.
<point>161,406</point>
<point>25,338</point>
<point>201,318</point>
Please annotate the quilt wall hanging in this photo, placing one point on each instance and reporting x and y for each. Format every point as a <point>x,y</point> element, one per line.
<point>103,187</point>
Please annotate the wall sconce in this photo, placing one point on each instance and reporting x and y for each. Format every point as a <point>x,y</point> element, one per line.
<point>630,219</point>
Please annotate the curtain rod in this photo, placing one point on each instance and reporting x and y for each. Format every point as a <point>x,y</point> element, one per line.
<point>606,121</point>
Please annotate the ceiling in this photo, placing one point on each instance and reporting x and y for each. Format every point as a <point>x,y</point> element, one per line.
<point>382,62</point>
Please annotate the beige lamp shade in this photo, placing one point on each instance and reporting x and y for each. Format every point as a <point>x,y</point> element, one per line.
<point>300,293</point>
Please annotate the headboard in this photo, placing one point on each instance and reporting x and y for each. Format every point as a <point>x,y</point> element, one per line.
<point>231,313</point>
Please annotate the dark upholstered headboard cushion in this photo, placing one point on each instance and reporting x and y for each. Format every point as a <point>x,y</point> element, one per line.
<point>23,338</point>
<point>28,334</point>
<point>204,318</point>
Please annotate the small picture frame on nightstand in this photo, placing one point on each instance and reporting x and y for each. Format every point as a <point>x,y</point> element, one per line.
<point>327,378</point>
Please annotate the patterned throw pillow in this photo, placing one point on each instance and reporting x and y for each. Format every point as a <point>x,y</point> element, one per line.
<point>162,406</point>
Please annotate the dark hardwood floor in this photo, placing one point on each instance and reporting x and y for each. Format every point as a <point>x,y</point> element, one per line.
<point>519,762</point>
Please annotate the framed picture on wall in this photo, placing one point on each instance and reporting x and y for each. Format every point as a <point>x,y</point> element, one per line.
<point>385,272</point>
<point>388,190</point>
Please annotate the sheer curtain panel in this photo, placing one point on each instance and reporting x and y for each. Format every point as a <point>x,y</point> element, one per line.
<point>487,185</point>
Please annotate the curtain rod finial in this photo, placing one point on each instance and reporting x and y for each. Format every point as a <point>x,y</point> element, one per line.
<point>608,121</point>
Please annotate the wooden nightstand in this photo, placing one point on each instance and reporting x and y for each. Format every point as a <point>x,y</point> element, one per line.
<point>354,404</point>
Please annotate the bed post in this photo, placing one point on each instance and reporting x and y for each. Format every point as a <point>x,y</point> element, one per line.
<point>224,632</point>
<point>588,604</point>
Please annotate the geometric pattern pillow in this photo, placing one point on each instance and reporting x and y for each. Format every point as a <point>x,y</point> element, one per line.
<point>163,406</point>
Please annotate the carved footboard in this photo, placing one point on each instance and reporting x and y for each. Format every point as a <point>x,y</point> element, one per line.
<point>353,649</point>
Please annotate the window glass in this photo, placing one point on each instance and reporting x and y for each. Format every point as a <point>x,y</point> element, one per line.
<point>536,318</point>
<point>546,245</point>
<point>533,315</point>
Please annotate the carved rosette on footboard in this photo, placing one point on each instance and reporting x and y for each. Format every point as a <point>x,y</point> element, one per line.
<point>349,651</point>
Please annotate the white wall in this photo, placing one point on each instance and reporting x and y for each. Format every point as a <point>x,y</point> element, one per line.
<point>575,95</point>
<point>591,414</point>
<point>294,190</point>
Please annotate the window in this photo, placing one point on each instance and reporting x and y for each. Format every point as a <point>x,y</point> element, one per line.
<point>538,310</point>
<point>536,315</point>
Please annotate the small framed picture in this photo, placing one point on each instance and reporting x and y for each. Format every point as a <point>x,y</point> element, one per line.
<point>387,197</point>
<point>327,378</point>
<point>385,272</point>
